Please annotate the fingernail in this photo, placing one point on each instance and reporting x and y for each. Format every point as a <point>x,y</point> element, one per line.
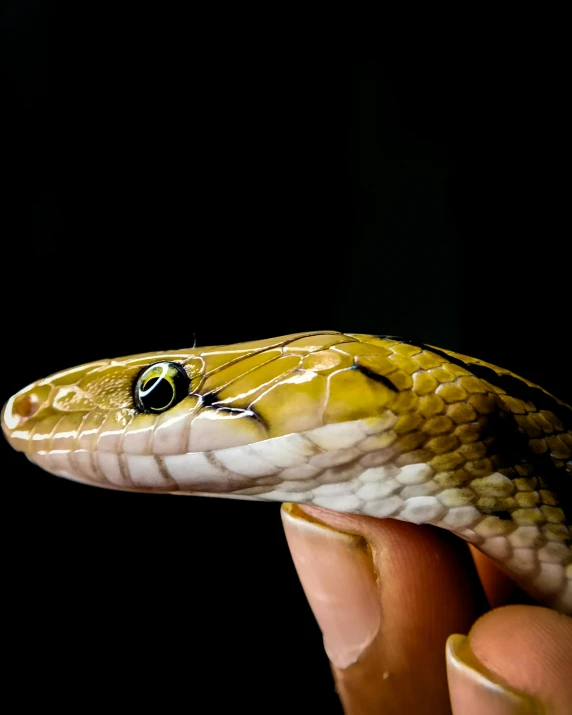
<point>474,689</point>
<point>339,579</point>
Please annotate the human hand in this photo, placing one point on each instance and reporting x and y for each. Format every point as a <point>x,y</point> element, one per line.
<point>389,598</point>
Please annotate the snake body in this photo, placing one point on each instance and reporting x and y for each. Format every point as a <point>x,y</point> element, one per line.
<point>350,422</point>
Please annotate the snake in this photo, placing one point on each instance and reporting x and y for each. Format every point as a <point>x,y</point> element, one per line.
<point>362,424</point>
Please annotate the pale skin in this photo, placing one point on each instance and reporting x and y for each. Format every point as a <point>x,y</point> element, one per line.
<point>388,600</point>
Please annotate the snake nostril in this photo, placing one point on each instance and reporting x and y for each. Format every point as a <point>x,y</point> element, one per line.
<point>26,405</point>
<point>19,409</point>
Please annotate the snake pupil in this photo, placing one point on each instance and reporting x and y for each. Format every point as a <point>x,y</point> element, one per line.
<point>159,393</point>
<point>160,386</point>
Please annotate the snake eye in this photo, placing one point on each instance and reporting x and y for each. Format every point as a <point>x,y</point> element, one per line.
<point>160,386</point>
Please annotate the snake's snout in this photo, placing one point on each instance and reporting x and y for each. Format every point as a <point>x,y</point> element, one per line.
<point>18,415</point>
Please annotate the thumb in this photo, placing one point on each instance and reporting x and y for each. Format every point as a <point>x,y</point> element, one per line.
<point>516,660</point>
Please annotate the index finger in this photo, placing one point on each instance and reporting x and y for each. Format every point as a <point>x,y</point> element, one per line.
<point>386,595</point>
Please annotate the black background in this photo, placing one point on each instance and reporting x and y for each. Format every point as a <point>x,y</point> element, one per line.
<point>161,185</point>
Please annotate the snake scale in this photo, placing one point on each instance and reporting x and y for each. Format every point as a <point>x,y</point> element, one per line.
<point>374,425</point>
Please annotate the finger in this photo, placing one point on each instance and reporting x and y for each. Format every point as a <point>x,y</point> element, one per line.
<point>515,661</point>
<point>500,589</point>
<point>386,595</point>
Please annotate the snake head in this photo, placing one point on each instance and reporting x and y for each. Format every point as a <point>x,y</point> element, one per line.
<point>237,419</point>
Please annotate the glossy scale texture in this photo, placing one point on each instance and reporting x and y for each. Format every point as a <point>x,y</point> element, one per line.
<point>354,423</point>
